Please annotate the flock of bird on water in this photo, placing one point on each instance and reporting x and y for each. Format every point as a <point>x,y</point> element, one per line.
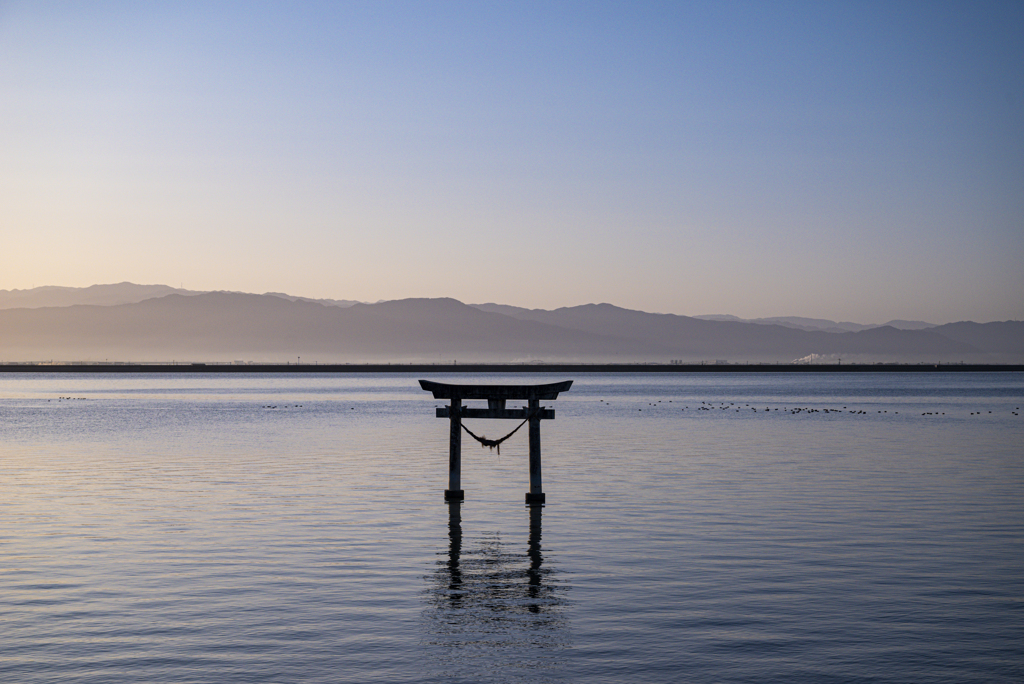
<point>705,406</point>
<point>726,406</point>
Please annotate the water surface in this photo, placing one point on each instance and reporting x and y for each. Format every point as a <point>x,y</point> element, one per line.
<point>709,528</point>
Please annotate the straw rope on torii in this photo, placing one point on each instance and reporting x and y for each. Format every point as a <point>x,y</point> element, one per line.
<point>496,443</point>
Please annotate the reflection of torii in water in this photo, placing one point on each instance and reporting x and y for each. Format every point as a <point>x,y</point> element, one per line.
<point>534,573</point>
<point>484,596</point>
<point>536,560</point>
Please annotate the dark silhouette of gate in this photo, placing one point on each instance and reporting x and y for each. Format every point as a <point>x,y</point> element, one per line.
<point>496,396</point>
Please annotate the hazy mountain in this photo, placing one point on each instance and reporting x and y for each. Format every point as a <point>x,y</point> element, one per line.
<point>910,325</point>
<point>228,326</point>
<point>1005,337</point>
<point>802,323</point>
<point>98,295</point>
<point>344,303</point>
<point>114,294</point>
<point>797,322</point>
<point>686,337</point>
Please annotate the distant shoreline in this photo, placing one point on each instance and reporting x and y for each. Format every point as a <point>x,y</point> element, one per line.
<point>497,368</point>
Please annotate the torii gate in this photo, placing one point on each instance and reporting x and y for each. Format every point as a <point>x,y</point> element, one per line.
<point>496,396</point>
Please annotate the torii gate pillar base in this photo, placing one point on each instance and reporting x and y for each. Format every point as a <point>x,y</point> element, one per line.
<point>534,499</point>
<point>459,495</point>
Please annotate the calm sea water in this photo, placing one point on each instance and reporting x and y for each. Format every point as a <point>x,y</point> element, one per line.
<point>711,528</point>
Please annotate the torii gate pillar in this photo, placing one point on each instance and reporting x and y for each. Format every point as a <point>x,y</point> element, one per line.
<point>496,396</point>
<point>454,490</point>
<point>536,493</point>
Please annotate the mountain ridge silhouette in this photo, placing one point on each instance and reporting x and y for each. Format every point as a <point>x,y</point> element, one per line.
<point>270,327</point>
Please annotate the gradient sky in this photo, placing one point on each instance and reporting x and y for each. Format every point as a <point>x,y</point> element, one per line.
<point>847,160</point>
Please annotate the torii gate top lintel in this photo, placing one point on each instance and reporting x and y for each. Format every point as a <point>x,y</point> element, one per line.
<point>547,392</point>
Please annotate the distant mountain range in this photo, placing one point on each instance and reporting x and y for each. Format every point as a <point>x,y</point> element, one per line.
<point>111,295</point>
<point>801,323</point>
<point>97,295</point>
<point>128,322</point>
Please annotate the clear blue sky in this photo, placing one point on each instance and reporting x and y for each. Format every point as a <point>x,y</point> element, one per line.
<point>848,160</point>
